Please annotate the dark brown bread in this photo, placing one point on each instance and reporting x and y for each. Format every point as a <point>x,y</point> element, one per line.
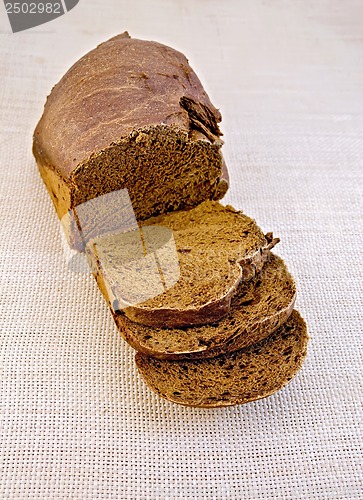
<point>235,378</point>
<point>131,114</point>
<point>215,245</point>
<point>259,307</point>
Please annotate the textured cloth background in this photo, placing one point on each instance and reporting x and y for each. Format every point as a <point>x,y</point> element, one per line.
<point>76,420</point>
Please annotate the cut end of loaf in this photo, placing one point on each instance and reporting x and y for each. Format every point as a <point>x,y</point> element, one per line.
<point>166,171</point>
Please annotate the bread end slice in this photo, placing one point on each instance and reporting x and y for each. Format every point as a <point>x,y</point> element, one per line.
<point>240,377</point>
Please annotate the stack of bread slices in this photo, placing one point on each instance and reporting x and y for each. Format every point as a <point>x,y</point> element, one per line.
<point>132,115</point>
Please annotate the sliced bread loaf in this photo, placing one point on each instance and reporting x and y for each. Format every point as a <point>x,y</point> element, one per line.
<point>235,378</point>
<point>131,114</point>
<point>215,245</point>
<point>260,306</point>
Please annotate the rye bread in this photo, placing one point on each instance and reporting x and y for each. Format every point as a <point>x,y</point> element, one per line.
<point>236,378</point>
<point>131,114</point>
<point>216,245</point>
<point>259,307</point>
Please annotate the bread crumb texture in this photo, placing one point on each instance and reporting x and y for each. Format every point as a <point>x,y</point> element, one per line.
<point>240,377</point>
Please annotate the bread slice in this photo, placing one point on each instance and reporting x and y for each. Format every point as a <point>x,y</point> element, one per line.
<point>260,306</point>
<point>215,244</point>
<point>131,114</point>
<point>235,378</point>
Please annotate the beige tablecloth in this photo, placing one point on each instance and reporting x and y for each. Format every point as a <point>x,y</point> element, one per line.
<point>76,421</point>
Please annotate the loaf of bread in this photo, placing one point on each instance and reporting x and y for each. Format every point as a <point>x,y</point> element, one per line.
<point>234,378</point>
<point>131,114</point>
<point>129,149</point>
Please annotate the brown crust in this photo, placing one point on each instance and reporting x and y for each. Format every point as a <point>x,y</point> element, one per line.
<point>103,97</point>
<point>223,182</point>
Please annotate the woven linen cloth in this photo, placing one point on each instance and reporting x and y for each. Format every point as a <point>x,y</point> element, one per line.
<point>76,420</point>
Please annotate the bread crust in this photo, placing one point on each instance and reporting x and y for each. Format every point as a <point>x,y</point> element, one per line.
<point>103,96</point>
